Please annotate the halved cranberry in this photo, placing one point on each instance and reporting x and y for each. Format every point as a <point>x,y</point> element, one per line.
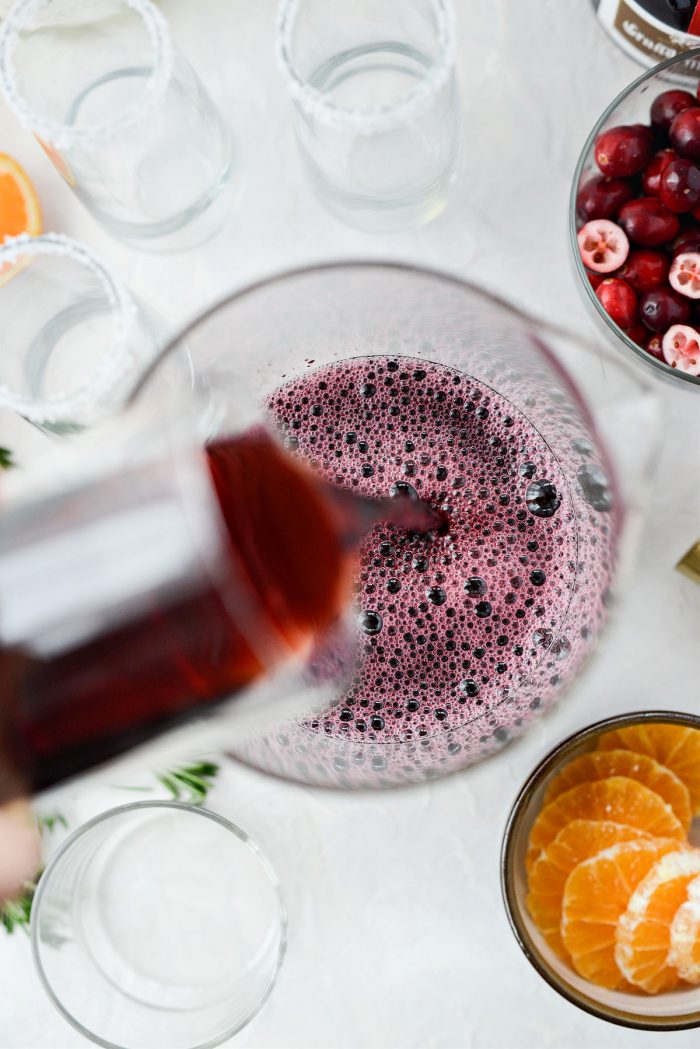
<point>623,151</point>
<point>661,308</point>
<point>679,188</point>
<point>684,274</point>
<point>651,176</point>
<point>645,270</point>
<point>594,278</point>
<point>668,105</point>
<point>602,198</point>
<point>619,301</point>
<point>688,241</point>
<point>603,245</point>
<point>684,133</point>
<point>637,333</point>
<point>681,346</point>
<point>654,346</point>
<point>647,222</point>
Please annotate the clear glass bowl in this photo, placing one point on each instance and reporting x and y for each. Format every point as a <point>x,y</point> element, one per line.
<point>630,107</point>
<point>676,1010</point>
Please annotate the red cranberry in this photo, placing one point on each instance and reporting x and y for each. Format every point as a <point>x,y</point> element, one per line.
<point>688,241</point>
<point>661,308</point>
<point>681,347</point>
<point>679,189</point>
<point>602,198</point>
<point>684,275</point>
<point>594,278</point>
<point>623,151</point>
<point>637,333</point>
<point>654,346</point>
<point>668,105</point>
<point>603,245</point>
<point>645,270</point>
<point>684,133</point>
<point>651,176</point>
<point>619,301</point>
<point>647,222</point>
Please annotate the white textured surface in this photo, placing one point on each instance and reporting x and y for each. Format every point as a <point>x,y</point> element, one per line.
<point>398,936</point>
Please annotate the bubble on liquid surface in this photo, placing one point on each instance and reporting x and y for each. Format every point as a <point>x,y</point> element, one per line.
<point>595,487</point>
<point>457,625</point>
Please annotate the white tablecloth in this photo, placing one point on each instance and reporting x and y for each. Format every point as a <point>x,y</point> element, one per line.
<point>397,932</point>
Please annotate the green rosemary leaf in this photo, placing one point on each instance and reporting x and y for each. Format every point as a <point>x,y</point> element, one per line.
<point>15,914</point>
<point>190,783</point>
<point>51,821</point>
<point>6,460</point>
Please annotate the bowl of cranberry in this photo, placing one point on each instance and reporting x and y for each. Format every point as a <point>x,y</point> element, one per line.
<point>635,219</point>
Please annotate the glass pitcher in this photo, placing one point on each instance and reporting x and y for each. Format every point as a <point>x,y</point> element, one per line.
<point>533,446</point>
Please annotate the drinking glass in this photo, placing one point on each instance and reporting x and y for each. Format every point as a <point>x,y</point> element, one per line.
<point>158,924</point>
<point>670,1011</point>
<point>122,116</point>
<point>382,376</point>
<point>376,105</point>
<point>74,338</point>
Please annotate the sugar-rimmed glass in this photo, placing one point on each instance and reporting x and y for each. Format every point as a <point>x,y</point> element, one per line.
<point>122,116</point>
<point>631,106</point>
<point>377,111</point>
<point>158,924</point>
<point>74,338</point>
<point>676,1010</point>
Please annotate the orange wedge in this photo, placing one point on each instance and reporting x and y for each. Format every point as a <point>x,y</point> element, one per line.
<point>600,764</point>
<point>576,842</point>
<point>19,206</point>
<point>643,938</point>
<point>684,954</point>
<point>675,746</point>
<point>617,799</point>
<point>597,893</point>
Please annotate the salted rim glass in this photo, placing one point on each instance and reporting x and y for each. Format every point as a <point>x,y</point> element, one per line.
<point>18,252</point>
<point>75,902</point>
<point>659,72</point>
<point>642,1012</point>
<point>367,119</point>
<point>63,136</point>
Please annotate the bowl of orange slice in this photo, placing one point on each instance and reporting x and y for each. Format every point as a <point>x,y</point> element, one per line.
<point>601,869</point>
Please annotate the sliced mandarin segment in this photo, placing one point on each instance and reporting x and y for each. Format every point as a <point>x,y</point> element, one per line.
<point>596,894</point>
<point>617,799</point>
<point>675,746</point>
<point>601,764</point>
<point>577,841</point>
<point>643,937</point>
<point>684,954</point>
<point>19,207</point>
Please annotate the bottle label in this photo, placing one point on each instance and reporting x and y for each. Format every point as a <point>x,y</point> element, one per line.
<point>642,36</point>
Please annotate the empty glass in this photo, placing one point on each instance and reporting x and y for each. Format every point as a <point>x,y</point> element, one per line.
<point>158,924</point>
<point>377,111</point>
<point>74,338</point>
<point>122,116</point>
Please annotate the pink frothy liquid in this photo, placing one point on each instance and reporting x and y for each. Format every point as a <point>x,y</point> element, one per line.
<point>463,635</point>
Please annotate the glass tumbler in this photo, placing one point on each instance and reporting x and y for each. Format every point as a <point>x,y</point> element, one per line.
<point>664,747</point>
<point>158,924</point>
<point>74,338</point>
<point>122,116</point>
<point>377,111</point>
<point>389,379</point>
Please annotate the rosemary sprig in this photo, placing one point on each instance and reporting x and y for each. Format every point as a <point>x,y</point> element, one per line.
<point>6,460</point>
<point>51,821</point>
<point>15,914</point>
<point>190,783</point>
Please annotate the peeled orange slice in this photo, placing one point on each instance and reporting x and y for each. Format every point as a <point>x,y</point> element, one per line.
<point>597,893</point>
<point>577,841</point>
<point>643,938</point>
<point>617,799</point>
<point>600,764</point>
<point>684,954</point>
<point>675,746</point>
<point>19,206</point>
